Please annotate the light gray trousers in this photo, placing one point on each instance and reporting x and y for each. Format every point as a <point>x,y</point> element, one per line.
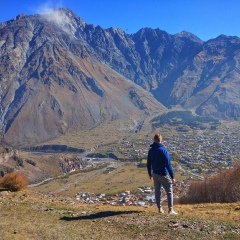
<point>166,183</point>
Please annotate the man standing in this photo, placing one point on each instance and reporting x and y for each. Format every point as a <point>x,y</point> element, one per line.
<point>160,170</point>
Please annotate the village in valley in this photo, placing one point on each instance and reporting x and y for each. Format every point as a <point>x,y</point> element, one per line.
<point>201,151</point>
<point>195,154</point>
<point>143,196</point>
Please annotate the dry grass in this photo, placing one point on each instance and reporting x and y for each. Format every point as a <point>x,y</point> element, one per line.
<point>28,215</point>
<point>223,188</point>
<point>217,211</point>
<point>130,177</point>
<point>104,179</point>
<point>104,133</point>
<point>108,132</point>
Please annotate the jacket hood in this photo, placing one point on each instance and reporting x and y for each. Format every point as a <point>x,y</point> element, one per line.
<point>156,145</point>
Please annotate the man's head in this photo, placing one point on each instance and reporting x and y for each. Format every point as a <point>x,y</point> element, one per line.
<point>157,138</point>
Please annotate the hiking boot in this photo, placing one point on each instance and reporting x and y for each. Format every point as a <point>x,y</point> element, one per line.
<point>172,212</point>
<point>160,210</point>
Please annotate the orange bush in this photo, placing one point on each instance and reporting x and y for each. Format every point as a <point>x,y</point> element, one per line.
<point>14,181</point>
<point>221,188</point>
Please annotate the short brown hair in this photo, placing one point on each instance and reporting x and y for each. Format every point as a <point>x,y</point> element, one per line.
<point>157,138</point>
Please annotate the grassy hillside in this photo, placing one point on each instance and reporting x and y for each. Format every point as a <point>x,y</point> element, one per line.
<point>105,178</point>
<point>50,211</point>
<point>30,215</point>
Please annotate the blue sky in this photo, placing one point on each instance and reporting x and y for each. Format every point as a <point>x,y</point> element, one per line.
<point>205,18</point>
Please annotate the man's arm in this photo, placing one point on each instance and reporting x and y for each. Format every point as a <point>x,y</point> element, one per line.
<point>149,164</point>
<point>169,165</point>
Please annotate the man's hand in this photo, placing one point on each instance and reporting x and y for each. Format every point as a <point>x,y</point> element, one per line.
<point>173,181</point>
<point>151,178</point>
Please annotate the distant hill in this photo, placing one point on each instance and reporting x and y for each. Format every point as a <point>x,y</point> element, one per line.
<point>58,72</point>
<point>182,118</point>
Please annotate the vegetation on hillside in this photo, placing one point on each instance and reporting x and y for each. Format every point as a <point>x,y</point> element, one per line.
<point>181,117</point>
<point>221,188</point>
<point>14,181</point>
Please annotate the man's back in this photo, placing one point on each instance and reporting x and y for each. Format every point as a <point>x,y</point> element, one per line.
<point>159,160</point>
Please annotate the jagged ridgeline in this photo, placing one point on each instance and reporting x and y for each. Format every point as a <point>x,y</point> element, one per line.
<point>58,73</point>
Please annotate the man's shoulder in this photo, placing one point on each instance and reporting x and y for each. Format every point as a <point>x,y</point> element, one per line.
<point>163,149</point>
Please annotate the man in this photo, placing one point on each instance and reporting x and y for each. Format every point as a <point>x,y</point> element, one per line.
<point>160,170</point>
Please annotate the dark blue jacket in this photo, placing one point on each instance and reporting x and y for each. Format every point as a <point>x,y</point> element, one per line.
<point>159,161</point>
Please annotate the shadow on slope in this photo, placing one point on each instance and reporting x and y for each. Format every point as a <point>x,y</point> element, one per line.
<point>98,215</point>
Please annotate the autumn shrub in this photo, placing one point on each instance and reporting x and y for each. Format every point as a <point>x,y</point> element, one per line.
<point>221,188</point>
<point>14,181</point>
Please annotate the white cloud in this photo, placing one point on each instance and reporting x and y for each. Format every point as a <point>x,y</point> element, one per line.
<point>48,7</point>
<point>48,11</point>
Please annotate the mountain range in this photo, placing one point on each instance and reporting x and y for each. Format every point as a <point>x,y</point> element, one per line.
<point>58,72</point>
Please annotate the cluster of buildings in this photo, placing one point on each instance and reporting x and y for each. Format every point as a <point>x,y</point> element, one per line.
<point>205,148</point>
<point>143,196</point>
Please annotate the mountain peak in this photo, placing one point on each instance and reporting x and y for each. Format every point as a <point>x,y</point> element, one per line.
<point>185,34</point>
<point>64,18</point>
<point>68,12</point>
<point>61,15</point>
<point>226,37</point>
<point>19,16</point>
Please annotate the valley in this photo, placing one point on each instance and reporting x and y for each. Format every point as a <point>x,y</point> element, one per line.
<point>203,151</point>
<point>79,106</point>
<point>113,198</point>
<point>195,154</point>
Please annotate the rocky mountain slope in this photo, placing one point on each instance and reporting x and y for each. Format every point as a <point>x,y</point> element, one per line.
<point>52,81</point>
<point>57,71</point>
<point>177,69</point>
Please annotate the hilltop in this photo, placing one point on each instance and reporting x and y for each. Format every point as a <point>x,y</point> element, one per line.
<point>31,215</point>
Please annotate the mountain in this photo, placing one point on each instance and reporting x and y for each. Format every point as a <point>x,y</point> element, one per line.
<point>58,72</point>
<point>177,69</point>
<point>52,81</point>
